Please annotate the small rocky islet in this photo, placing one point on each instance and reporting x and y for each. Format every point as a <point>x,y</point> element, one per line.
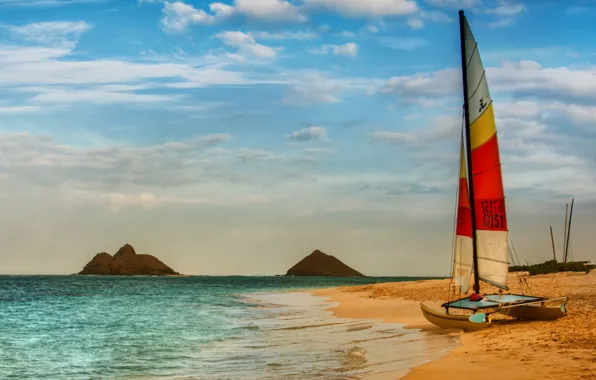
<point>126,262</point>
<point>321,264</point>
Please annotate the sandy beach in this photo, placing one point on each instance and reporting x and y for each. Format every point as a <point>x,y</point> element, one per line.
<point>562,349</point>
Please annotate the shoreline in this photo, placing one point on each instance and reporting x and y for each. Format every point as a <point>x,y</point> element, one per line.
<point>350,302</point>
<point>508,349</point>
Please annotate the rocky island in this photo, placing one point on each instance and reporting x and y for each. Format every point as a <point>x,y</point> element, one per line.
<point>126,262</point>
<point>321,264</point>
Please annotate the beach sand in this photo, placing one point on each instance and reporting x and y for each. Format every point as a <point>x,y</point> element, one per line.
<point>561,349</point>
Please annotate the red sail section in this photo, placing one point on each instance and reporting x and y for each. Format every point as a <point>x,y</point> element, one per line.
<point>464,211</point>
<point>488,187</point>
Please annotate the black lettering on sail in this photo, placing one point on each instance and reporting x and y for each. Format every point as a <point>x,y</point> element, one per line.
<point>482,105</point>
<point>491,214</point>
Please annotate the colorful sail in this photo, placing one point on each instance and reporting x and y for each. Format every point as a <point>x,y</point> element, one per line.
<point>489,200</point>
<point>463,251</point>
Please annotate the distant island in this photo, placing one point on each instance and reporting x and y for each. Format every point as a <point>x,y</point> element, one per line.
<point>126,262</point>
<point>321,264</point>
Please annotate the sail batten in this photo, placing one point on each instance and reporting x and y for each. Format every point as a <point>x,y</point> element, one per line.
<point>491,233</point>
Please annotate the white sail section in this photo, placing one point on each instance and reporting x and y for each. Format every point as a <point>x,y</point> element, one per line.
<point>489,201</point>
<point>462,262</point>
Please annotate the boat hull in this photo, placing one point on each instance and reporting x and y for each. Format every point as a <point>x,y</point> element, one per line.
<point>451,321</point>
<point>536,312</point>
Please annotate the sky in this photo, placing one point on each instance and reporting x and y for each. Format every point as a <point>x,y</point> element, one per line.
<point>236,137</point>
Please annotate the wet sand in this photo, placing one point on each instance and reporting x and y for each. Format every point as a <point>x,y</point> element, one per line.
<point>561,349</point>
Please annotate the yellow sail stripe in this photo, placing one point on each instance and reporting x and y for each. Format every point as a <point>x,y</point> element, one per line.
<point>483,128</point>
<point>462,160</point>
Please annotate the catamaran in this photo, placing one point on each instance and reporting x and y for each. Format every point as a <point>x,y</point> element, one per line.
<point>481,244</point>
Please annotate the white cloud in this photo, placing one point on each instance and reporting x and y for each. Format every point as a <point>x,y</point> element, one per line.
<point>370,29</point>
<point>359,8</point>
<point>193,171</point>
<point>98,95</point>
<point>403,43</point>
<point>121,176</point>
<point>453,3</point>
<point>314,87</point>
<point>439,83</point>
<point>61,33</point>
<point>269,10</point>
<point>346,33</point>
<point>221,10</point>
<point>11,110</point>
<point>415,23</point>
<point>287,35</point>
<point>247,43</point>
<point>312,133</point>
<point>534,154</point>
<point>518,109</point>
<point>349,49</point>
<point>501,23</point>
<point>13,54</point>
<point>393,137</point>
<point>506,13</point>
<point>178,16</point>
<point>45,3</point>
<point>522,78</point>
<point>531,77</point>
<point>441,128</point>
<point>117,201</point>
<point>579,114</point>
<point>48,77</point>
<point>507,9</point>
<point>84,72</point>
<point>435,16</point>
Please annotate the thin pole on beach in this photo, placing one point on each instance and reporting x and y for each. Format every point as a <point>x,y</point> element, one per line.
<point>552,240</point>
<point>568,230</point>
<point>565,230</point>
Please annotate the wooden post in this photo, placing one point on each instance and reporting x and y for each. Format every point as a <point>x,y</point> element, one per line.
<point>552,240</point>
<point>568,231</point>
<point>565,230</point>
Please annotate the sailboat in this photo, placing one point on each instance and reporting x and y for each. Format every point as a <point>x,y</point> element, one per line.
<point>481,245</point>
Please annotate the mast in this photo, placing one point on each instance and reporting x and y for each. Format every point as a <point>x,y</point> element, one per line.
<point>552,240</point>
<point>468,148</point>
<point>568,231</point>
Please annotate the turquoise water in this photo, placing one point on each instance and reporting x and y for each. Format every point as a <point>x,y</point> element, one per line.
<point>73,327</point>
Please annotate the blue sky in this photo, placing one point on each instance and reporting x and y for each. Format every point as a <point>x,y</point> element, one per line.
<point>238,136</point>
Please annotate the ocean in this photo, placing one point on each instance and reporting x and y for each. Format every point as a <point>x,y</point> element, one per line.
<point>75,327</point>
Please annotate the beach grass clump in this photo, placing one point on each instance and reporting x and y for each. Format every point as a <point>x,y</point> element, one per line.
<point>553,266</point>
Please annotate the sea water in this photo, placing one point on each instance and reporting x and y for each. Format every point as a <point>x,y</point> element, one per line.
<point>73,327</point>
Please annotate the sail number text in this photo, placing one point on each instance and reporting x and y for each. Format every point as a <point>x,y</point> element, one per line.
<point>493,214</point>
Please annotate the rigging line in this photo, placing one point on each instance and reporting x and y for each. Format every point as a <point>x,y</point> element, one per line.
<point>453,239</point>
<point>525,280</point>
<point>515,261</point>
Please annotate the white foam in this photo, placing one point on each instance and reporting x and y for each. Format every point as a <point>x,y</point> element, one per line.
<point>298,338</point>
